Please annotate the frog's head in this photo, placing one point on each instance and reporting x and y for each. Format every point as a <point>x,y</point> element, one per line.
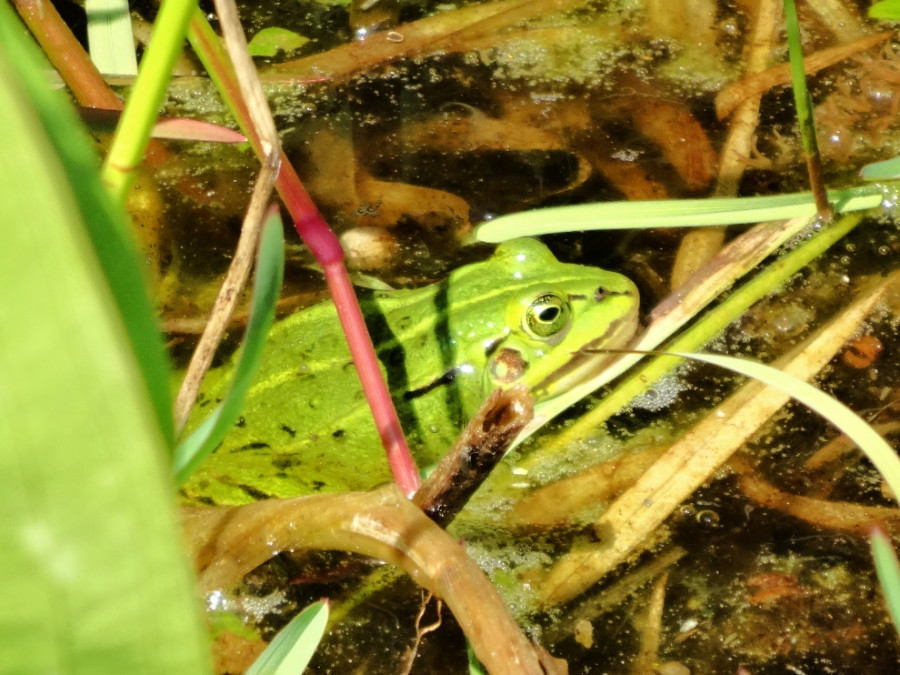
<point>559,320</point>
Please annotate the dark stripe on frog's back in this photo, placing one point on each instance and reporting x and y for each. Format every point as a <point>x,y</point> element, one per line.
<point>393,356</point>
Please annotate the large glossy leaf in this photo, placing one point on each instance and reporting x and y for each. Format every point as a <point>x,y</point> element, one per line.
<point>92,575</point>
<point>106,227</point>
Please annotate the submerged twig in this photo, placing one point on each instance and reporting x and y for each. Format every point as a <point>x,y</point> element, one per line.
<point>648,655</point>
<point>227,543</point>
<point>442,32</point>
<point>733,95</point>
<point>833,515</point>
<point>481,445</point>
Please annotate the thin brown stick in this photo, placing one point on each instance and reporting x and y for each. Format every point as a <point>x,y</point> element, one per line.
<point>731,96</point>
<point>648,655</point>
<point>443,32</point>
<point>239,270</point>
<point>699,246</point>
<point>67,55</point>
<point>481,445</point>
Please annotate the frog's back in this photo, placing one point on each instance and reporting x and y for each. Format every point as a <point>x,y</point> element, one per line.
<point>305,425</point>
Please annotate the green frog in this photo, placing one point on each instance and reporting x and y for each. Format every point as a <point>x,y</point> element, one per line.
<point>520,316</point>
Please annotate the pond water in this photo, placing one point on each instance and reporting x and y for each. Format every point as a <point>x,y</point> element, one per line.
<point>437,118</point>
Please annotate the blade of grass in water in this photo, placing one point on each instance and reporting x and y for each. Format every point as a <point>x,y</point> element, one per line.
<point>270,269</point>
<point>889,169</point>
<point>804,105</point>
<point>852,425</point>
<point>143,105</point>
<point>292,649</point>
<point>672,213</point>
<point>888,572</point>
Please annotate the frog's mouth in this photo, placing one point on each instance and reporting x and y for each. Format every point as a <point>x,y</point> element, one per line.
<point>589,359</point>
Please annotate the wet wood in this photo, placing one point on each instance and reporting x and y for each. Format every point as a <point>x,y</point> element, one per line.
<point>483,443</point>
<point>227,543</point>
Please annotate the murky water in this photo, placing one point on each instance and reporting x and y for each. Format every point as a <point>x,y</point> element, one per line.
<point>411,150</point>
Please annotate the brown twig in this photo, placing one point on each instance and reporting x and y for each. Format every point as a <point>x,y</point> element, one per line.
<point>483,443</point>
<point>733,95</point>
<point>833,515</point>
<point>238,272</point>
<point>67,55</point>
<point>227,543</point>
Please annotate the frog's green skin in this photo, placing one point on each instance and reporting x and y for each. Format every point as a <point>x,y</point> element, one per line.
<point>519,316</point>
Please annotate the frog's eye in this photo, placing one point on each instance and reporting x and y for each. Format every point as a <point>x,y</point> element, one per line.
<point>547,317</point>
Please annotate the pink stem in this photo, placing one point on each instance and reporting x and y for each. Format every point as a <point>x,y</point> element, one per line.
<point>403,466</point>
<point>326,248</point>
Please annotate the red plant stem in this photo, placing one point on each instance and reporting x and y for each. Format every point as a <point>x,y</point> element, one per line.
<point>326,248</point>
<point>400,459</point>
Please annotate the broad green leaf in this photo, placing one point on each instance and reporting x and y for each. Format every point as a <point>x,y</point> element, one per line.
<point>852,425</point>
<point>106,227</point>
<point>269,271</point>
<point>93,576</point>
<point>886,9</point>
<point>294,646</point>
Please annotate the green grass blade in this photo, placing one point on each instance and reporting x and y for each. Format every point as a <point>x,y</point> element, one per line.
<point>110,39</point>
<point>106,226</point>
<point>852,425</point>
<point>92,572</point>
<point>798,81</point>
<point>889,169</point>
<point>294,646</point>
<point>269,272</point>
<point>672,213</point>
<point>475,667</point>
<point>142,107</point>
<point>888,570</point>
